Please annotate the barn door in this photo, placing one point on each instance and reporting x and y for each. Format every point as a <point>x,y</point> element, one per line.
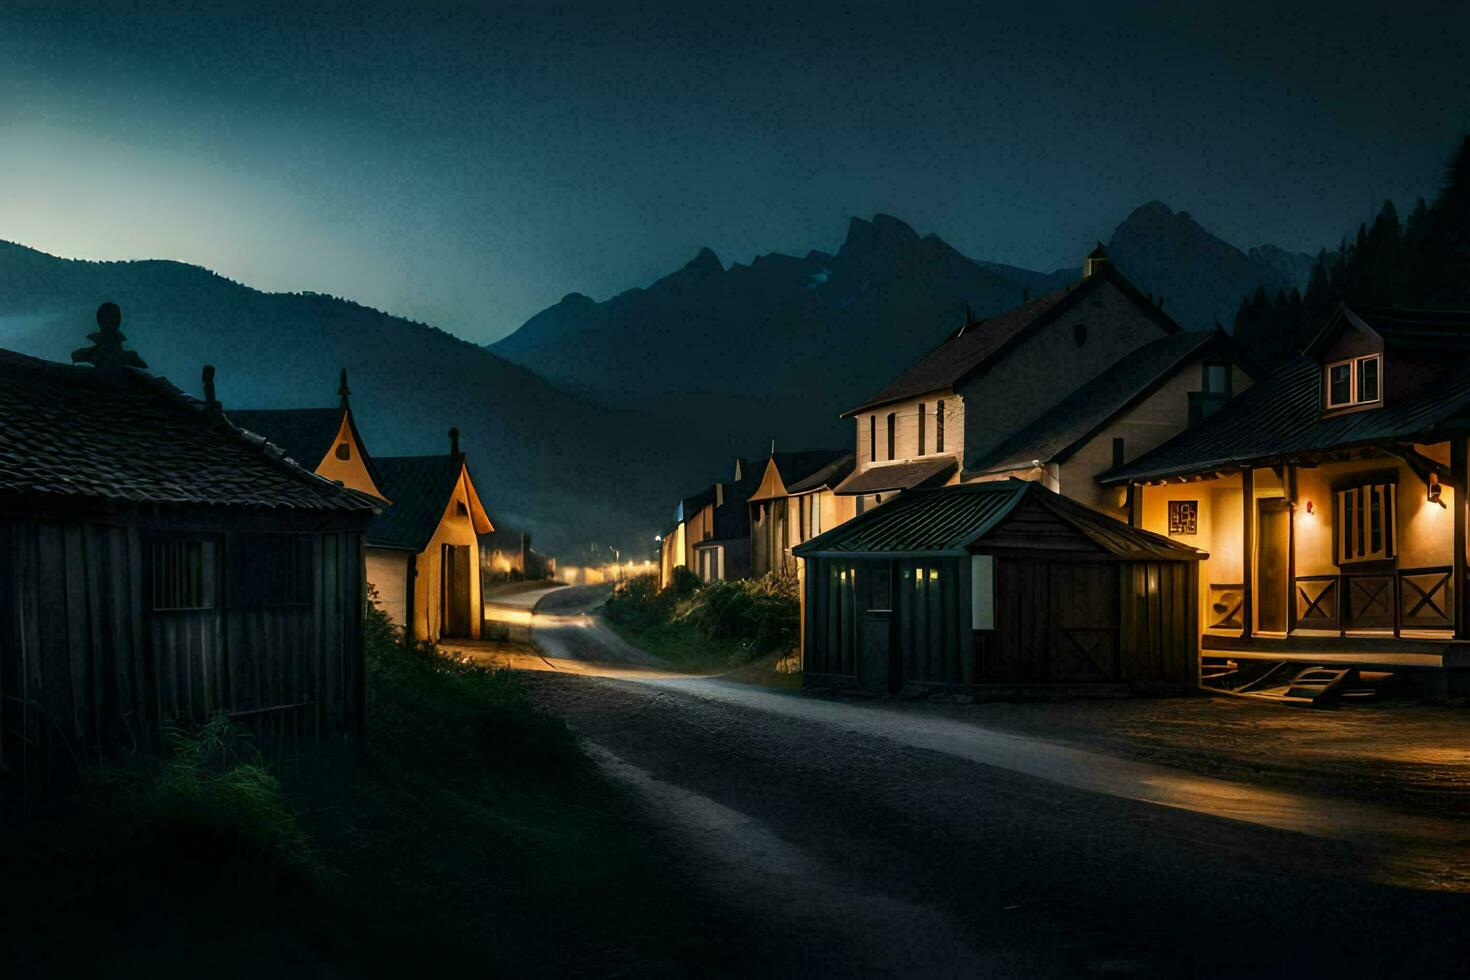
<point>1084,621</point>
<point>456,590</point>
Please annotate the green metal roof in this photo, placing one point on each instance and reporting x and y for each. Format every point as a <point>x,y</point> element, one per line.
<point>948,521</point>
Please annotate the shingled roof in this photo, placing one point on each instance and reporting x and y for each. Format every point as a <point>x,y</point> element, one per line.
<point>949,521</point>
<point>420,488</point>
<point>976,345</point>
<point>1059,433</point>
<point>115,433</point>
<point>308,434</point>
<point>1281,418</point>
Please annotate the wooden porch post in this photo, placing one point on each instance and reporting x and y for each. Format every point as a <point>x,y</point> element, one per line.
<point>1461,490</point>
<point>1247,527</point>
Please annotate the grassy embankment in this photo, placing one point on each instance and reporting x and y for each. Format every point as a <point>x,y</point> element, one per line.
<point>474,833</point>
<point>740,629</point>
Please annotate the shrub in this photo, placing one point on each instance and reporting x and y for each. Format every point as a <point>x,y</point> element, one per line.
<point>209,797</point>
<point>764,614</point>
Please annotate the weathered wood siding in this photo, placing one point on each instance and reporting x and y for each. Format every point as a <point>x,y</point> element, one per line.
<point>87,667</point>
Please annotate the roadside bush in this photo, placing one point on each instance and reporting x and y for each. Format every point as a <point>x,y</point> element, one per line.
<point>635,604</point>
<point>763,614</point>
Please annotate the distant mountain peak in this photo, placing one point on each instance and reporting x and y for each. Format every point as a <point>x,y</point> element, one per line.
<point>883,233</point>
<point>706,261</point>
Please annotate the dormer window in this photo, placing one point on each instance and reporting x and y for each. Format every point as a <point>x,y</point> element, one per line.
<point>1356,381</point>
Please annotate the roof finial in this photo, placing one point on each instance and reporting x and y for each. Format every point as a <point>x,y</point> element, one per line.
<point>342,388</point>
<point>106,353</point>
<point>773,447</point>
<point>453,441</point>
<point>211,404</point>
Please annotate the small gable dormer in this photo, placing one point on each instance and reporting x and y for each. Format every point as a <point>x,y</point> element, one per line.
<point>1350,357</point>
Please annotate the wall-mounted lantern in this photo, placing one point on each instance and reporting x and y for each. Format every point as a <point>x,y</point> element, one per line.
<point>1434,489</point>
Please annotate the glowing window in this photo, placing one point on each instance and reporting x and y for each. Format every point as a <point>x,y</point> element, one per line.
<point>1365,523</point>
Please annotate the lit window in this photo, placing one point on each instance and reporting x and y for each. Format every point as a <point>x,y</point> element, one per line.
<point>1355,381</point>
<point>1365,523</point>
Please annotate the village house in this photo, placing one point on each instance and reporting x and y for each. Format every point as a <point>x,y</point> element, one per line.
<point>1056,390</point>
<point>998,588</point>
<point>323,440</point>
<point>158,563</point>
<point>793,502</point>
<point>694,524</point>
<point>725,553</point>
<point>1331,498</point>
<point>423,552</point>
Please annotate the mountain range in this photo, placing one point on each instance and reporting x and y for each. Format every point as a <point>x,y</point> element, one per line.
<point>779,347</point>
<point>587,423</point>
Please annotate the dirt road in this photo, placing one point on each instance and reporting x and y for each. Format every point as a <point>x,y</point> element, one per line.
<point>855,839</point>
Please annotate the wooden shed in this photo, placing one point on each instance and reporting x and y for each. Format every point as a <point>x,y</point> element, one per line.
<point>158,564</point>
<point>1002,587</point>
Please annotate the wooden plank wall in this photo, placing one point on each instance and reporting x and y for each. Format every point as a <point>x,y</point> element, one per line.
<point>87,670</point>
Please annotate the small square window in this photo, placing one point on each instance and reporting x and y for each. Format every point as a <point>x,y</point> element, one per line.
<point>344,451</point>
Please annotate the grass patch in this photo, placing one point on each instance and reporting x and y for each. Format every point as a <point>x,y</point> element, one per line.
<point>684,646</point>
<point>472,834</point>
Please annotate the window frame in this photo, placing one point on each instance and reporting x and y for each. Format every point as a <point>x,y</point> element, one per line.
<point>939,426</point>
<point>1354,367</point>
<point>892,435</point>
<point>206,565</point>
<point>923,410</point>
<point>1353,530</point>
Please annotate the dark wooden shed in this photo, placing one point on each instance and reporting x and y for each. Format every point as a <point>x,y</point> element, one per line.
<point>1002,587</point>
<point>158,564</point>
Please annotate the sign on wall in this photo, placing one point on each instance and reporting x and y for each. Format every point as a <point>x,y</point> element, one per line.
<point>1183,517</point>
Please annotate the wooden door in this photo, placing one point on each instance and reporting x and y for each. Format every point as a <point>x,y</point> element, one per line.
<point>1083,647</point>
<point>1273,558</point>
<point>878,668</point>
<point>456,590</point>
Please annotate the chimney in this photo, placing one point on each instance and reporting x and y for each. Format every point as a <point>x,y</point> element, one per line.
<point>211,403</point>
<point>1096,261</point>
<point>342,390</point>
<point>106,353</point>
<point>454,441</point>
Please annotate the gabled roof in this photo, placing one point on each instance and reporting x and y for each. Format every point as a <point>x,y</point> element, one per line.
<point>949,521</point>
<point>1281,418</point>
<point>799,467</point>
<point>1071,423</point>
<point>732,520</point>
<point>421,488</point>
<point>976,346</point>
<point>826,477</point>
<point>887,477</point>
<point>693,504</point>
<point>307,434</point>
<point>1428,330</point>
<point>124,435</point>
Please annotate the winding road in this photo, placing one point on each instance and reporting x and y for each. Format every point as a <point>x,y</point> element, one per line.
<point>851,838</point>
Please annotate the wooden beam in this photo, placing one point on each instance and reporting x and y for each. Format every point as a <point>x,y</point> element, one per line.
<point>1458,475</point>
<point>1135,504</point>
<point>1247,527</point>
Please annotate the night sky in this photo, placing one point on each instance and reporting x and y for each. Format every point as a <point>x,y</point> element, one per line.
<point>470,167</point>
